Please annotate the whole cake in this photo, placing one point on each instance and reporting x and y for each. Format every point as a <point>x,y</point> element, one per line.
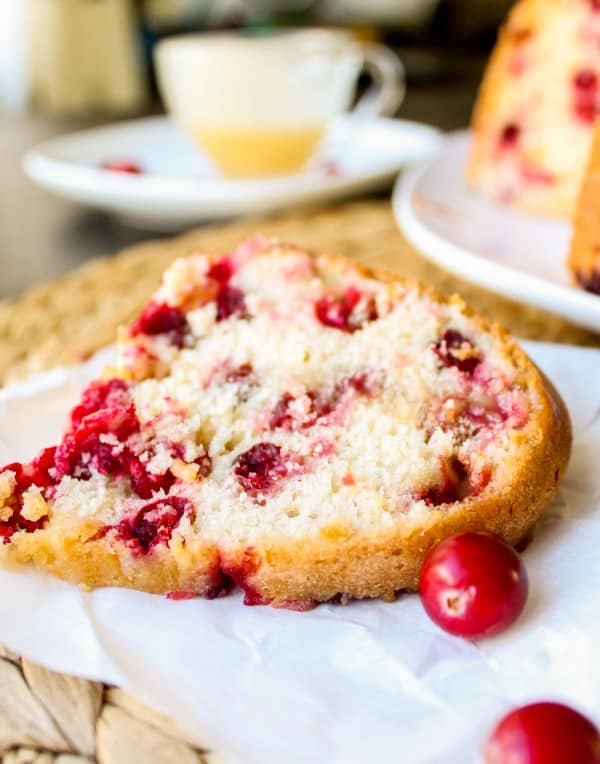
<point>295,424</point>
<point>584,257</point>
<point>533,120</point>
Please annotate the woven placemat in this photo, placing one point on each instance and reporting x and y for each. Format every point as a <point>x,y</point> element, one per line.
<point>65,320</point>
<point>47,717</point>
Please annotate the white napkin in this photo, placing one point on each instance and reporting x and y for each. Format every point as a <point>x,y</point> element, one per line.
<point>344,685</point>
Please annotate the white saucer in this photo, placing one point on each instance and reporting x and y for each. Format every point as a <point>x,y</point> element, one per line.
<point>519,256</point>
<point>180,187</point>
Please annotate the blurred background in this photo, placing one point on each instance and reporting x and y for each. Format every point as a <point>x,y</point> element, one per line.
<point>70,64</point>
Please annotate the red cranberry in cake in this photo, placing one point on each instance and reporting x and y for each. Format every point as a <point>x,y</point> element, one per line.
<point>509,136</point>
<point>241,572</point>
<point>589,282</point>
<point>473,585</point>
<point>455,484</point>
<point>230,302</point>
<point>22,503</point>
<point>98,395</point>
<point>347,312</point>
<point>153,524</point>
<point>455,350</point>
<point>111,425</point>
<point>260,468</point>
<point>283,414</point>
<point>241,373</point>
<point>146,483</point>
<point>321,406</point>
<point>221,270</point>
<point>160,318</point>
<point>586,97</point>
<point>294,425</point>
<point>43,467</point>
<point>229,299</point>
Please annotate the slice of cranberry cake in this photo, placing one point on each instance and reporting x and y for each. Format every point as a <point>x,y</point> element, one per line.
<point>533,121</point>
<point>584,256</point>
<point>294,424</point>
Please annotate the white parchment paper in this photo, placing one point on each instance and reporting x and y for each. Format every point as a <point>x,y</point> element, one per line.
<point>342,685</point>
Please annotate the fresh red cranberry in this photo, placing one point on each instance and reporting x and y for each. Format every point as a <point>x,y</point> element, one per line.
<point>473,584</point>
<point>154,523</point>
<point>586,100</point>
<point>160,318</point>
<point>260,467</point>
<point>509,136</point>
<point>100,395</point>
<point>230,302</point>
<point>338,312</point>
<point>122,165</point>
<point>455,484</point>
<point>544,733</point>
<point>454,349</point>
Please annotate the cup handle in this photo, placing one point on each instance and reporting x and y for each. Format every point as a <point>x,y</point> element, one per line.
<point>386,93</point>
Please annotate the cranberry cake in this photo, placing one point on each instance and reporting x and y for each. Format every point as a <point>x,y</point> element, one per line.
<point>293,424</point>
<point>533,121</point>
<point>584,257</point>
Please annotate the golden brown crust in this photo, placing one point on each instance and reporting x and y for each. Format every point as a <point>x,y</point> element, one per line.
<point>584,255</point>
<point>354,565</point>
<point>71,554</point>
<point>340,560</point>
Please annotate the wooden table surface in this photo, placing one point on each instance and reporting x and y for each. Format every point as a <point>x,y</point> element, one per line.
<point>64,320</point>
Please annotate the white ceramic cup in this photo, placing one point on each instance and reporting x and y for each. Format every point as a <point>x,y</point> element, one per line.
<point>260,105</point>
